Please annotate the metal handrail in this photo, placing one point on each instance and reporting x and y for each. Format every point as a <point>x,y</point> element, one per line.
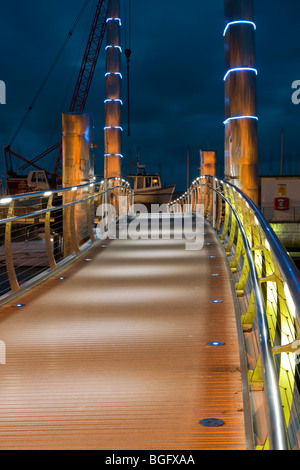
<point>259,240</point>
<point>46,192</point>
<point>55,208</point>
<point>13,230</point>
<point>276,425</point>
<point>284,262</point>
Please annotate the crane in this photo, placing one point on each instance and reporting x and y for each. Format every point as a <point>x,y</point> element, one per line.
<point>80,94</point>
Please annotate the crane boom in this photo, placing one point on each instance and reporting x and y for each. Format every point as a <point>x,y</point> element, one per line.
<point>90,58</point>
<point>87,70</point>
<point>84,80</point>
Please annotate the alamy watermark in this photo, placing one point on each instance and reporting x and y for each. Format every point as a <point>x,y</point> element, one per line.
<point>160,222</point>
<point>2,92</point>
<point>296,93</point>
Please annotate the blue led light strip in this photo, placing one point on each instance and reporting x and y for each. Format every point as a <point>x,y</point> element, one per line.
<point>117,100</point>
<point>238,22</point>
<point>240,69</point>
<point>113,73</point>
<point>113,155</point>
<point>240,117</point>
<point>114,19</point>
<point>114,47</point>
<point>113,127</point>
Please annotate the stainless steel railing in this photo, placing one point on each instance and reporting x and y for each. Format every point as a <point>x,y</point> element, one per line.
<point>43,231</point>
<point>267,285</point>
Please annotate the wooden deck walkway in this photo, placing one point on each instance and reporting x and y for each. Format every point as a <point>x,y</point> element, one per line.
<point>115,356</point>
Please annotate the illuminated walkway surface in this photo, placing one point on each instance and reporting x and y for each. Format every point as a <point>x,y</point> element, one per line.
<point>116,357</point>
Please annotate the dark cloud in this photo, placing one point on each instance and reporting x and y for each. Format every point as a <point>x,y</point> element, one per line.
<point>177,69</point>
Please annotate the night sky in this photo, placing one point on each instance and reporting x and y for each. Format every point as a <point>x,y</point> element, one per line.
<point>177,70</point>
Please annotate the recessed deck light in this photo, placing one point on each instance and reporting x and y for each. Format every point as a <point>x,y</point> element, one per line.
<point>211,422</point>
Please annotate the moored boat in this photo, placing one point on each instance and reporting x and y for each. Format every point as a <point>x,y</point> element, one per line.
<point>148,188</point>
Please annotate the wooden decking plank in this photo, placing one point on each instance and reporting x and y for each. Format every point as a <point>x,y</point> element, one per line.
<point>116,355</point>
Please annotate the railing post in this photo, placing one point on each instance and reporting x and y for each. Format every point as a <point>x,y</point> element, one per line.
<point>105,192</point>
<point>11,272</point>
<point>49,250</point>
<point>90,213</point>
<point>73,223</point>
<point>214,208</point>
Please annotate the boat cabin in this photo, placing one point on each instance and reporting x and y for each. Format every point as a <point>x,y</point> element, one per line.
<point>146,181</point>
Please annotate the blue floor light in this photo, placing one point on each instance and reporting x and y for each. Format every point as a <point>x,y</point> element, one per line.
<point>215,343</point>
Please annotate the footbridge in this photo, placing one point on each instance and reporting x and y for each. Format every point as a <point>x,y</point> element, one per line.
<point>124,330</point>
